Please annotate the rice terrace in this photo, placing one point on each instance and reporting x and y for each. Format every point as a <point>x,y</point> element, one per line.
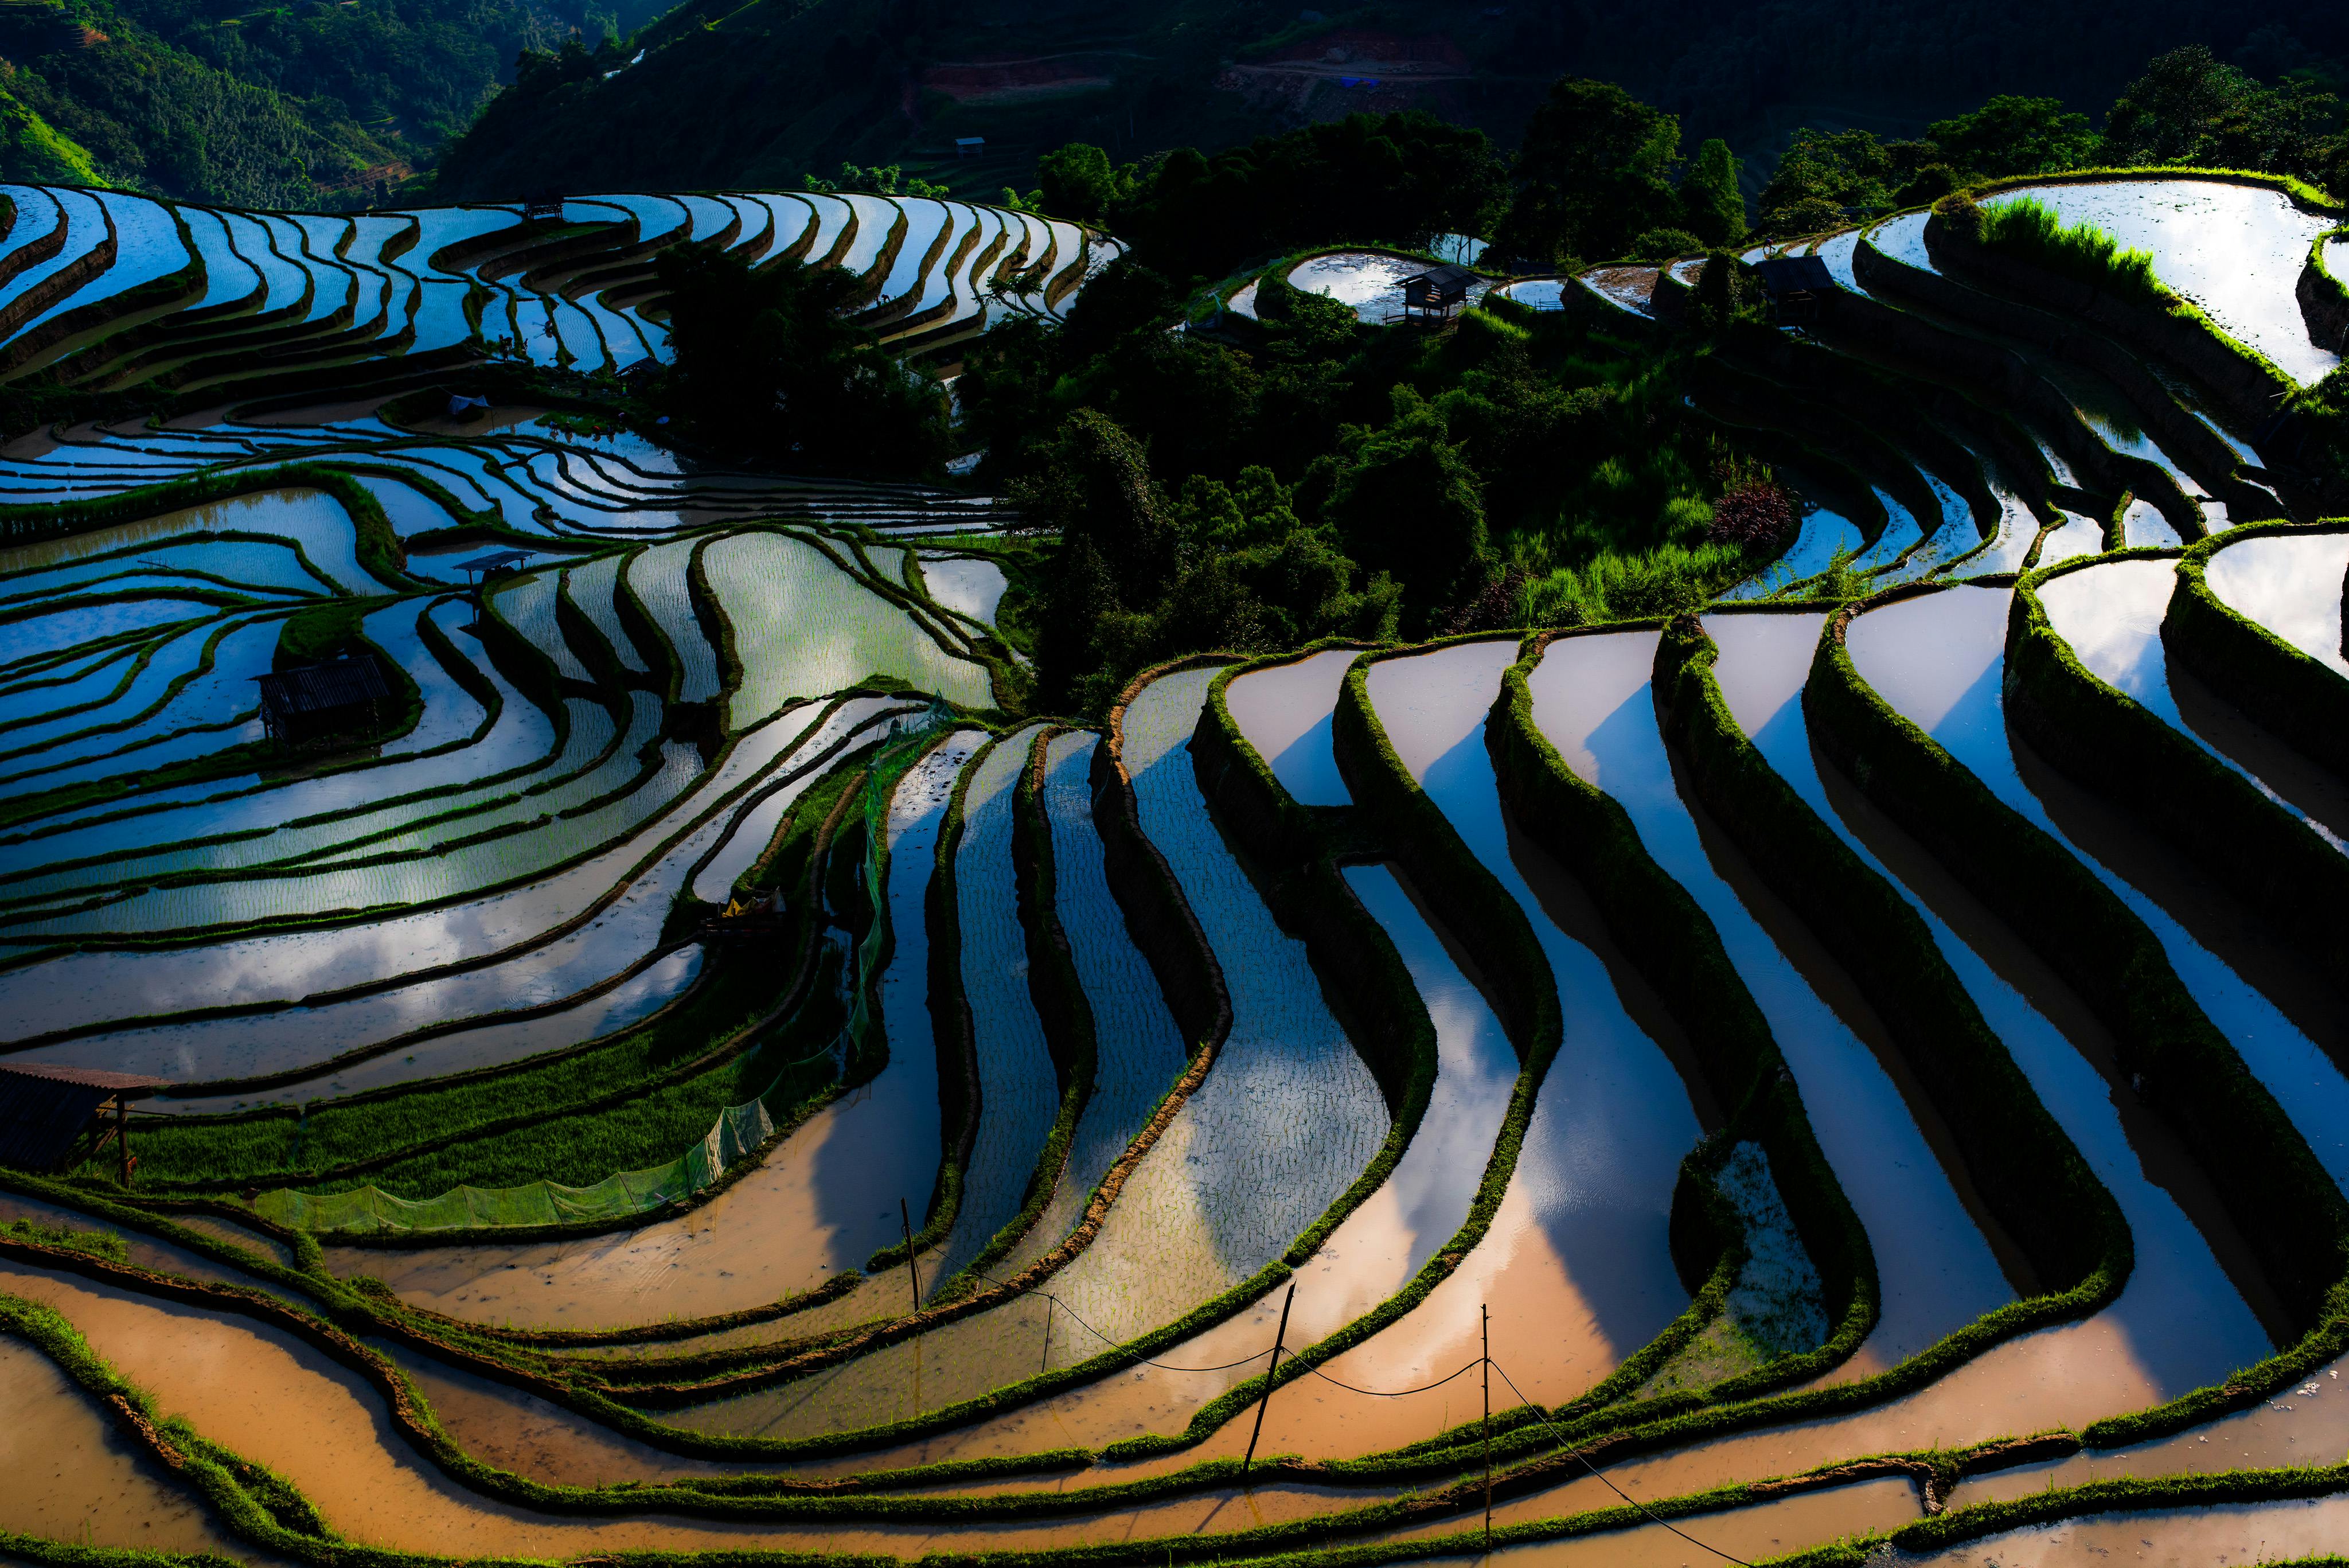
<point>1379,845</point>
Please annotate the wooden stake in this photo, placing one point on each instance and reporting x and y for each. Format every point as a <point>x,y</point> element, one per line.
<point>906,1218</point>
<point>1279,1336</point>
<point>1045,1365</point>
<point>1485,1316</point>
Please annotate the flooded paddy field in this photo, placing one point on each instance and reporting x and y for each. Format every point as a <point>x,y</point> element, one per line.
<point>709,1062</point>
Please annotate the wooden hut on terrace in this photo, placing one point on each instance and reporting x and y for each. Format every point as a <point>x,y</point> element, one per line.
<point>314,701</point>
<point>46,1111</point>
<point>481,568</point>
<point>1433,296</point>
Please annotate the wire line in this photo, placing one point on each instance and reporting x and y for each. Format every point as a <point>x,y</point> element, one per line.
<point>1396,1393</point>
<point>1543,1416</point>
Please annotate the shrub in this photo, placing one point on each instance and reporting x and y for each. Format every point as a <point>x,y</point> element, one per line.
<point>1667,579</point>
<point>1756,512</point>
<point>1662,245</point>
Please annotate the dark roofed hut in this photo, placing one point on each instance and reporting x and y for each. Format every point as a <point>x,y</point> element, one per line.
<point>45,1109</point>
<point>313,701</point>
<point>481,568</point>
<point>1433,295</point>
<point>1793,285</point>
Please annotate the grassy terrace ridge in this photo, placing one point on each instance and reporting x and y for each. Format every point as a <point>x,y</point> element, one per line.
<point>2268,1180</point>
<point>2298,697</point>
<point>2291,879</point>
<point>2014,1152</point>
<point>1933,1471</point>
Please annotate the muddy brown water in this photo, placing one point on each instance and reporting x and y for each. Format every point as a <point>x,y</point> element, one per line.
<point>275,1400</point>
<point>146,1252</point>
<point>1576,1266</point>
<point>1371,1254</point>
<point>1283,1122</point>
<point>2304,1425</point>
<point>1753,1533</point>
<point>2183,1538</point>
<point>74,1476</point>
<point>2063,1377</point>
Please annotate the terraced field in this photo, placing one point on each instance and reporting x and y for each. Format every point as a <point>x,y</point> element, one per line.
<point>1853,1074</point>
<point>112,292</point>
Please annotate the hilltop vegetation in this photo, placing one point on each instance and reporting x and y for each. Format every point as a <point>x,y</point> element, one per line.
<point>1303,474</point>
<point>284,106</point>
<point>779,89</point>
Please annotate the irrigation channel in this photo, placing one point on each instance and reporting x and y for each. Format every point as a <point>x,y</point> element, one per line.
<point>696,1062</point>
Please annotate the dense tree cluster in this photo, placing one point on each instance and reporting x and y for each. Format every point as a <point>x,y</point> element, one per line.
<point>769,365</point>
<point>1397,177</point>
<point>2188,108</point>
<point>1311,476</point>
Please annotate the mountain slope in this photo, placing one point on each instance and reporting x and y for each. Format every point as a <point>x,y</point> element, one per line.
<point>731,93</point>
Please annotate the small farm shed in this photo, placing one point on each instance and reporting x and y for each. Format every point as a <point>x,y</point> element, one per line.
<point>1433,296</point>
<point>1793,287</point>
<point>45,1110</point>
<point>970,146</point>
<point>478,570</point>
<point>315,699</point>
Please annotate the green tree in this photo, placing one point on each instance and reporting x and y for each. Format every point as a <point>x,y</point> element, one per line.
<point>1594,170</point>
<point>1823,174</point>
<point>1408,503</point>
<point>2009,135</point>
<point>1712,208</point>
<point>767,363</point>
<point>2193,107</point>
<point>1078,182</point>
<point>1095,484</point>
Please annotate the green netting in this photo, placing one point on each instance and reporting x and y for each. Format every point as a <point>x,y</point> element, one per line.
<point>738,1130</point>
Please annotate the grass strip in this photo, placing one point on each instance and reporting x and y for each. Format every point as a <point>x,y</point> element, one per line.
<point>380,1130</point>
<point>2161,325</point>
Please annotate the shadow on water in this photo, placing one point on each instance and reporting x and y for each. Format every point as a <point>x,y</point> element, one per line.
<point>1568,906</point>
<point>1937,1268</point>
<point>2163,1160</point>
<point>2209,913</point>
<point>2310,787</point>
<point>1832,985</point>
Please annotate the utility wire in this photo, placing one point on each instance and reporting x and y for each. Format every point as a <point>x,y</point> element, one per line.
<point>1105,1339</point>
<point>1543,1416</point>
<point>1396,1393</point>
<point>1539,1414</point>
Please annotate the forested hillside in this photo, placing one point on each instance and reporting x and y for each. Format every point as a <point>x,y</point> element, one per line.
<point>770,91</point>
<point>280,106</point>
